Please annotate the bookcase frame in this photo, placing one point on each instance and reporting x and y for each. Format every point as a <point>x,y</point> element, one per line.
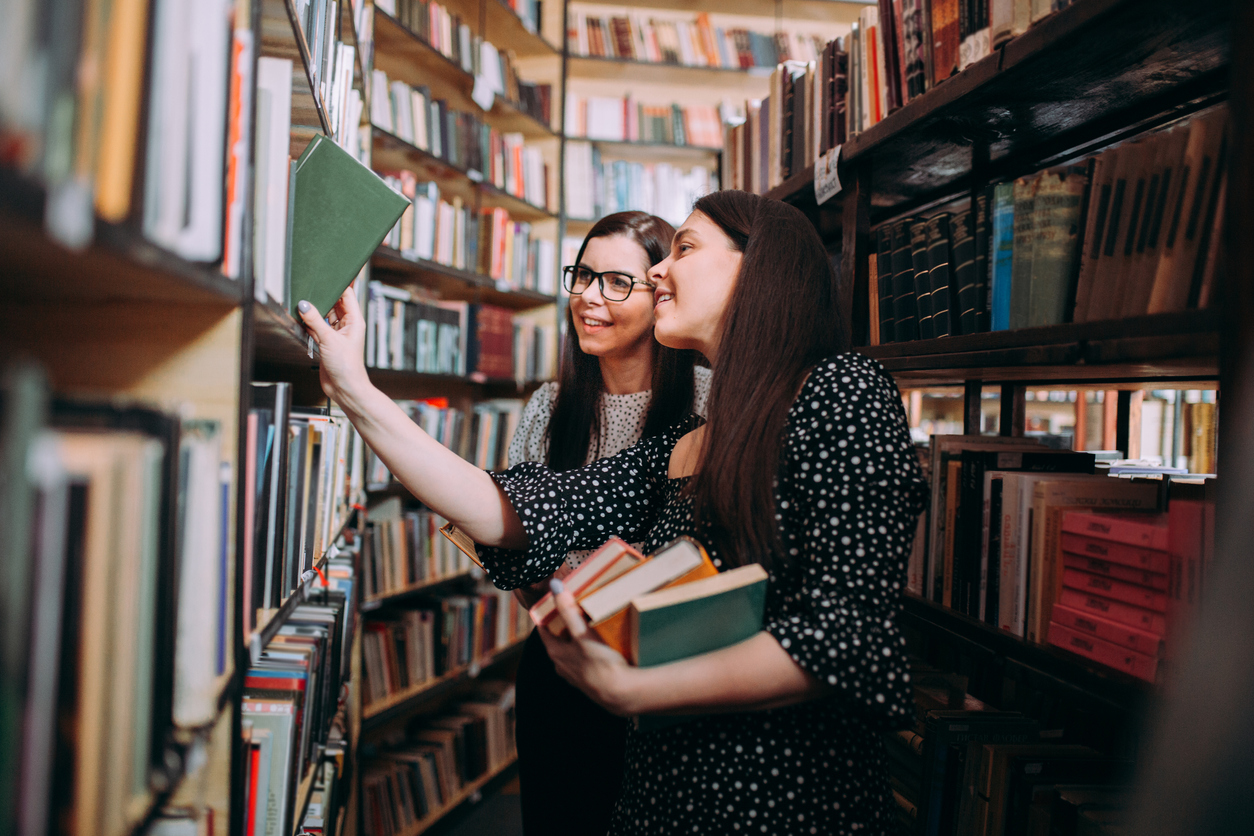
<point>1089,76</point>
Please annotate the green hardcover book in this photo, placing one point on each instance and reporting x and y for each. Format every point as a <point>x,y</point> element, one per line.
<point>1055,245</point>
<point>694,618</point>
<point>343,211</point>
<point>1021,272</point>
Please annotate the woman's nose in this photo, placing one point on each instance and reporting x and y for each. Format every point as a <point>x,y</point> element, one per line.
<point>592,295</point>
<point>658,271</point>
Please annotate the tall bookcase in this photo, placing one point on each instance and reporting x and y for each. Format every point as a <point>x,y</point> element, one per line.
<point>1091,75</point>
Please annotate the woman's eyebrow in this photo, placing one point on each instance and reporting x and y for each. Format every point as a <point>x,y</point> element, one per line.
<point>682,235</point>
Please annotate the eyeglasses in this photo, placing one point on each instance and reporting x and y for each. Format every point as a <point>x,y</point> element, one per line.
<point>615,286</point>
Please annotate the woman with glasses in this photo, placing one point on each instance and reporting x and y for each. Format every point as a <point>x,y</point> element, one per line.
<point>804,465</point>
<point>617,384</point>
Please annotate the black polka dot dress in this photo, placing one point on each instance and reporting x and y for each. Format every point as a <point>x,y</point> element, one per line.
<point>848,498</point>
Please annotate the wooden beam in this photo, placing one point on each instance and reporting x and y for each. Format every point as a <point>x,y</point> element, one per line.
<point>1110,422</point>
<point>1013,410</point>
<point>971,416</point>
<point>1123,421</point>
<point>1080,440</point>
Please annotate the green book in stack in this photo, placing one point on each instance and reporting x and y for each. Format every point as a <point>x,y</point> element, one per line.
<point>694,618</point>
<point>342,212</point>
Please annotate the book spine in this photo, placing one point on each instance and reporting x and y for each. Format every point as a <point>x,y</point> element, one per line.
<point>1107,653</point>
<point>939,273</point>
<point>1115,571</point>
<point>1002,256</point>
<point>922,279</point>
<point>1105,586</point>
<point>1123,635</point>
<point>1153,622</point>
<point>905,312</point>
<point>1025,223</point>
<point>1118,530</point>
<point>1145,560</point>
<point>884,268</point>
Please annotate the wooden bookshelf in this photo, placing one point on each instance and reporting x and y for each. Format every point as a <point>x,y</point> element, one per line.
<point>466,793</point>
<point>383,711</point>
<point>622,69</point>
<point>281,36</point>
<point>383,599</point>
<point>453,283</point>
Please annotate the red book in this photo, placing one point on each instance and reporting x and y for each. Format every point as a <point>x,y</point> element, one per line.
<point>1187,533</point>
<point>1148,531</point>
<point>1112,631</point>
<point>1137,558</point>
<point>1154,622</point>
<point>1117,571</point>
<point>945,39</point>
<point>254,777</point>
<point>1107,653</point>
<point>490,352</point>
<point>273,683</point>
<point>1128,593</point>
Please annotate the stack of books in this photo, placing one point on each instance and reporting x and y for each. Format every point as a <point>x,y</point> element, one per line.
<point>687,42</point>
<point>626,120</point>
<point>403,650</point>
<point>595,188</point>
<point>416,778</point>
<point>1134,230</point>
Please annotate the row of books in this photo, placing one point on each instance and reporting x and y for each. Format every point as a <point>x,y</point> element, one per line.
<point>597,187</point>
<point>305,469</point>
<point>402,548</point>
<point>405,649</point>
<point>291,694</point>
<point>501,159</point>
<point>1134,230</point>
<point>333,63</point>
<point>995,543</point>
<point>900,49</point>
<point>116,522</point>
<point>688,42</point>
<point>967,768</point>
<point>626,120</point>
<point>482,342</point>
<point>489,242</point>
<point>495,71</point>
<point>423,771</point>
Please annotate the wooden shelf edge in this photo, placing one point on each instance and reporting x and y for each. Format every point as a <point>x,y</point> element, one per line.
<point>631,143</point>
<point>526,43</point>
<point>375,602</point>
<point>414,695</point>
<point>388,258</point>
<point>1068,670</point>
<point>462,795</point>
<point>759,72</point>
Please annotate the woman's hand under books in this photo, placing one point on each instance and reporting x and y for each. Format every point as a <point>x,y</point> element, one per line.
<point>585,661</point>
<point>341,339</point>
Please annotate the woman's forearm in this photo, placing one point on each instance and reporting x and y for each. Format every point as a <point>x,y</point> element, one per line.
<point>754,675</point>
<point>438,477</point>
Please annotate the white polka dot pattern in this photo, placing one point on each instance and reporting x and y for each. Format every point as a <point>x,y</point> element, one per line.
<point>848,496</point>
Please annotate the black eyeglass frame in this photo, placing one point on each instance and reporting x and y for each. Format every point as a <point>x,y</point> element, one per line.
<point>568,281</point>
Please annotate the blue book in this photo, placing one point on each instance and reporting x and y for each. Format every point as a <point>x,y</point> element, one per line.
<point>1003,254</point>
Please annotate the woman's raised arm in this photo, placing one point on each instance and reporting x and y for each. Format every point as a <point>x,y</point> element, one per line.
<point>438,477</point>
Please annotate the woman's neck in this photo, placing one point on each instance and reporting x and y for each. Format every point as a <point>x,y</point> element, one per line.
<point>627,375</point>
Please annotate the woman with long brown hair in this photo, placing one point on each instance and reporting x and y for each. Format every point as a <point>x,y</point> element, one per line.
<point>617,385</point>
<point>804,465</point>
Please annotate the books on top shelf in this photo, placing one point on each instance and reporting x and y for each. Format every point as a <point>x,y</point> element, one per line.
<point>495,70</point>
<point>423,771</point>
<point>626,120</point>
<point>404,649</point>
<point>684,41</point>
<point>305,469</point>
<point>501,159</point>
<point>402,549</point>
<point>1134,230</point>
<point>597,187</point>
<point>291,694</point>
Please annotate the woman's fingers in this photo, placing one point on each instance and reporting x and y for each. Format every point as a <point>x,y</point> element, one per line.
<point>314,321</point>
<point>569,610</point>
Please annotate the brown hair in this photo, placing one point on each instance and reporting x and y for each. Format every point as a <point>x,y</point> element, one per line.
<point>576,419</point>
<point>784,298</point>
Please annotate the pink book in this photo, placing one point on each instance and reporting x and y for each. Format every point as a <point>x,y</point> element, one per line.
<point>1107,653</point>
<point>1154,622</point>
<point>1138,558</point>
<point>1149,531</point>
<point>1123,635</point>
<point>1140,596</point>
<point>1115,571</point>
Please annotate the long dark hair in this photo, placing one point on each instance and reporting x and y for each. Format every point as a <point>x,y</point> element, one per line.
<point>781,320</point>
<point>576,418</point>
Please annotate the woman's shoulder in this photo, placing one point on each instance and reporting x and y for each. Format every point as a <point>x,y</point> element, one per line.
<point>847,372</point>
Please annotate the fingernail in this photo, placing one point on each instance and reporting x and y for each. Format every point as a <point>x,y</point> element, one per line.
<point>303,306</point>
<point>556,586</point>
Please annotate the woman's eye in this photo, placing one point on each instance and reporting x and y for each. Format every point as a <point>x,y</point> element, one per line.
<point>619,283</point>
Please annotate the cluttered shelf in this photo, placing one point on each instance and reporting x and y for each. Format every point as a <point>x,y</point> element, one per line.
<point>374,602</point>
<point>455,283</point>
<point>404,55</point>
<point>392,152</point>
<point>1065,670</point>
<point>591,66</point>
<point>465,792</point>
<point>1092,73</point>
<point>264,632</point>
<point>118,264</point>
<point>378,713</point>
<point>1182,346</point>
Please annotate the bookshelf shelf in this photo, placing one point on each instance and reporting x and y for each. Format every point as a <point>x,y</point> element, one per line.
<point>464,794</point>
<point>405,384</point>
<point>403,55</point>
<point>278,338</point>
<point>1183,347</point>
<point>374,602</point>
<point>452,282</point>
<point>378,713</point>
<point>503,25</point>
<point>1063,670</point>
<point>392,152</point>
<point>621,69</point>
<point>1091,73</point>
<point>655,149</point>
<point>818,10</point>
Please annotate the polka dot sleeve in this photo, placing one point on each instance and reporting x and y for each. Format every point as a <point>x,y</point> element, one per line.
<point>850,495</point>
<point>616,496</point>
